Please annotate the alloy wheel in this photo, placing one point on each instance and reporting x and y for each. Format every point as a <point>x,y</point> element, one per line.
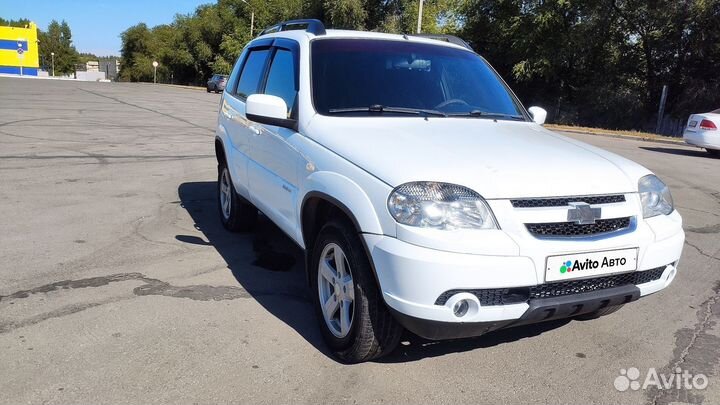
<point>225,194</point>
<point>336,289</point>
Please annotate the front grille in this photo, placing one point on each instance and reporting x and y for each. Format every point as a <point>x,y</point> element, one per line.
<point>505,296</point>
<point>594,284</point>
<point>570,229</point>
<point>564,201</point>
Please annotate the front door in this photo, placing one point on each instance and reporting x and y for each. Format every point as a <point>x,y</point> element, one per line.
<point>272,172</point>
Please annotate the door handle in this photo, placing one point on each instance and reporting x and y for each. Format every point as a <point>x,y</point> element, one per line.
<point>255,130</point>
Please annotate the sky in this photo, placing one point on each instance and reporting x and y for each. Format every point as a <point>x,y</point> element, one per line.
<point>96,25</point>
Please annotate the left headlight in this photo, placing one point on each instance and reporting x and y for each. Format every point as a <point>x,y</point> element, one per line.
<point>440,206</point>
<point>655,196</point>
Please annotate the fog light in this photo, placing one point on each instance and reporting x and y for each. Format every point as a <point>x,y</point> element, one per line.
<point>461,308</point>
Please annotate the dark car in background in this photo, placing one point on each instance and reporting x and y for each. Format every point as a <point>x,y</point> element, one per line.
<point>216,83</point>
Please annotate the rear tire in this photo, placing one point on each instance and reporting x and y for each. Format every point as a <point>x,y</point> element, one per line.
<point>713,152</point>
<point>599,313</point>
<point>236,214</point>
<point>371,331</point>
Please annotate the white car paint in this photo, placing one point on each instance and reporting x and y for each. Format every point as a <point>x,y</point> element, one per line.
<point>705,137</point>
<point>357,161</point>
<point>547,164</point>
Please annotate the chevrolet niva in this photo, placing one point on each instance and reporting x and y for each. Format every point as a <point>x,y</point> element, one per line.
<point>425,195</point>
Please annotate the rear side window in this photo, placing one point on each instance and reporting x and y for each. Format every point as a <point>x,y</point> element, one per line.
<point>252,73</point>
<point>235,74</point>
<point>281,78</point>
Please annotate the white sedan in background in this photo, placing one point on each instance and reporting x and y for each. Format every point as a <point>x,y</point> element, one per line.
<point>702,130</point>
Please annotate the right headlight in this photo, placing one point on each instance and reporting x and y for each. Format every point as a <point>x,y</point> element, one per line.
<point>436,205</point>
<point>655,196</point>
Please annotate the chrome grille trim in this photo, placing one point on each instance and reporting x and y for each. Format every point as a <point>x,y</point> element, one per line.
<point>574,230</point>
<point>564,201</point>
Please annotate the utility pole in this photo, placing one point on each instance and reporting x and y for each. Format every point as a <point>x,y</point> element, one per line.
<point>661,109</point>
<point>419,27</point>
<point>252,18</point>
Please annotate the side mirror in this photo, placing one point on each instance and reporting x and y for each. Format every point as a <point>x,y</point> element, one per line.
<point>267,109</point>
<point>538,114</point>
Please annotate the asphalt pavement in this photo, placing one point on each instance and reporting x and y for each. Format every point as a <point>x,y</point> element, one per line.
<point>119,285</point>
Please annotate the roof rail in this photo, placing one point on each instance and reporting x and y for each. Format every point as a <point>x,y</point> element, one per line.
<point>446,38</point>
<point>309,25</point>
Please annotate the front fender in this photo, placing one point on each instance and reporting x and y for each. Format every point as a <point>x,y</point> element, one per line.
<point>345,193</point>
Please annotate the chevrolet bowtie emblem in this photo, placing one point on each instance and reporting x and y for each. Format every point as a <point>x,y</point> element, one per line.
<point>582,213</point>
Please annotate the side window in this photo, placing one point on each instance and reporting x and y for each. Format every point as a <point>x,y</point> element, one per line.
<point>235,74</point>
<point>252,73</point>
<point>281,78</point>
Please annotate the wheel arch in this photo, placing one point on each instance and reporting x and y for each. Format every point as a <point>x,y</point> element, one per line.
<point>220,151</point>
<point>345,195</point>
<point>318,206</point>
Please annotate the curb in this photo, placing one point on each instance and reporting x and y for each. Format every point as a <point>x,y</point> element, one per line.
<point>178,86</point>
<point>636,138</point>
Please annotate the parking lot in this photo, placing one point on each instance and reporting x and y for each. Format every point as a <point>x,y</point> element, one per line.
<point>118,283</point>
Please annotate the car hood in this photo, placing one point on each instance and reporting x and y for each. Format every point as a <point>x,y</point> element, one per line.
<point>498,159</point>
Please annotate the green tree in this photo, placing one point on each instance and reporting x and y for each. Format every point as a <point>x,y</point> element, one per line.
<point>19,23</point>
<point>602,62</point>
<point>84,57</point>
<point>58,39</point>
<point>589,62</point>
<point>136,54</point>
<point>348,14</point>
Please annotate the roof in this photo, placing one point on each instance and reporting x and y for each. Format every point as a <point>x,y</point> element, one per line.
<point>299,35</point>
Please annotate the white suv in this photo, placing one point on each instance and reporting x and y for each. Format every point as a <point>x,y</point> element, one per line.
<point>424,194</point>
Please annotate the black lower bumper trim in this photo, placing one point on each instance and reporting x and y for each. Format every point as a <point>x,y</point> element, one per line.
<point>540,310</point>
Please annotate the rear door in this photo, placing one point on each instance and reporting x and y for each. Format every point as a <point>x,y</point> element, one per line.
<point>274,161</point>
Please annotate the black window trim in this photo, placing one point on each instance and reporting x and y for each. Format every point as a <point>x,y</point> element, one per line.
<point>234,76</point>
<point>294,48</point>
<point>271,44</point>
<point>258,45</point>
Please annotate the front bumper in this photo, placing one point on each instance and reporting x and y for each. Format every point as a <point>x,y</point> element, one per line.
<point>413,277</point>
<point>539,310</point>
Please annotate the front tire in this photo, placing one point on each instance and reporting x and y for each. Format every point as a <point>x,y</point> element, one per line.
<point>713,152</point>
<point>353,318</point>
<point>236,214</point>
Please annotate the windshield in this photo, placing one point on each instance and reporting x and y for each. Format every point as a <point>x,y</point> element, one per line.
<point>366,77</point>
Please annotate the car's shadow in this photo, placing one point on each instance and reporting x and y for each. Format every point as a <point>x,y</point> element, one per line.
<point>679,151</point>
<point>271,268</point>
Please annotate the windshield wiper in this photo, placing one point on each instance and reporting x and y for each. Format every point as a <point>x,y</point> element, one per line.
<point>377,108</point>
<point>485,114</point>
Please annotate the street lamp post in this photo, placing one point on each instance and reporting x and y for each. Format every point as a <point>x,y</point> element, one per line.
<point>155,65</point>
<point>419,26</point>
<point>252,18</point>
<point>52,55</point>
